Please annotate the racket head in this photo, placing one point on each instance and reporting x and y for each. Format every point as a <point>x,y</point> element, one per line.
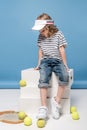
<point>10,117</point>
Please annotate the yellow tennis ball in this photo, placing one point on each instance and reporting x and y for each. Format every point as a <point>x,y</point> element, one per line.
<point>73,109</point>
<point>22,83</point>
<point>41,123</point>
<point>75,116</point>
<point>21,115</point>
<point>27,121</point>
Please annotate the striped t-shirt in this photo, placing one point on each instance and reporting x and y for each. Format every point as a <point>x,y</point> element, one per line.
<point>50,46</point>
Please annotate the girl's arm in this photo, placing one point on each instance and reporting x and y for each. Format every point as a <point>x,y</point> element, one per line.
<point>40,54</point>
<point>63,55</point>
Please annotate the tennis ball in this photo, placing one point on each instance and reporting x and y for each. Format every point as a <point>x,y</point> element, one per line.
<point>22,83</point>
<point>21,115</point>
<point>27,121</point>
<point>73,109</point>
<point>75,116</point>
<point>41,123</point>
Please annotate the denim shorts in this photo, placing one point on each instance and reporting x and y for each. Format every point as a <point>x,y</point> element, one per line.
<point>49,65</point>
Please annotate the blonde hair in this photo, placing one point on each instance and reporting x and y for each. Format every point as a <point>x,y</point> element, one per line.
<point>44,16</point>
<point>50,27</point>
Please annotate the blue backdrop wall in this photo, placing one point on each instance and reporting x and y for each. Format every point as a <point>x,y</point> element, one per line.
<point>18,49</point>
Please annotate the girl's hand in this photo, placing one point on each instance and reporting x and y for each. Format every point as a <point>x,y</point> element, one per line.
<point>67,67</point>
<point>36,68</point>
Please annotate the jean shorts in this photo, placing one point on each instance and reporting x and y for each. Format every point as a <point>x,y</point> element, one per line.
<point>49,65</point>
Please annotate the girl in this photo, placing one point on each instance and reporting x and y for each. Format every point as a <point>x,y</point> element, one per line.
<point>51,58</point>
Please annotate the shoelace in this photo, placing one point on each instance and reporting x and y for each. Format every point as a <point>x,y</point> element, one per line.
<point>41,110</point>
<point>57,105</point>
<point>57,109</point>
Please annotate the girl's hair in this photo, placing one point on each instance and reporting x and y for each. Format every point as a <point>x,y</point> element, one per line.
<point>44,16</point>
<point>50,27</point>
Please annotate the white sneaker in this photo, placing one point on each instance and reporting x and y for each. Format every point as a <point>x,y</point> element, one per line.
<point>56,109</point>
<point>42,113</point>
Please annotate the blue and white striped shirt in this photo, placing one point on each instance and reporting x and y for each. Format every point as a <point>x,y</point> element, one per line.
<point>50,46</point>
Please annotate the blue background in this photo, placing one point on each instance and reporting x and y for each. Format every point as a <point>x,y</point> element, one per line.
<point>18,49</point>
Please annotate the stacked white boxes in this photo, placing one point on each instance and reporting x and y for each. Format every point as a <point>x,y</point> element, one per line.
<point>30,94</point>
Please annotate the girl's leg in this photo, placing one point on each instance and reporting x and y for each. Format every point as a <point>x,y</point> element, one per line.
<point>62,73</point>
<point>55,102</point>
<point>43,95</point>
<point>60,92</point>
<point>45,75</point>
<point>43,110</point>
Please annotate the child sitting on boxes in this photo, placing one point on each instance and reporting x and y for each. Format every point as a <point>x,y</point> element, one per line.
<point>51,58</point>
